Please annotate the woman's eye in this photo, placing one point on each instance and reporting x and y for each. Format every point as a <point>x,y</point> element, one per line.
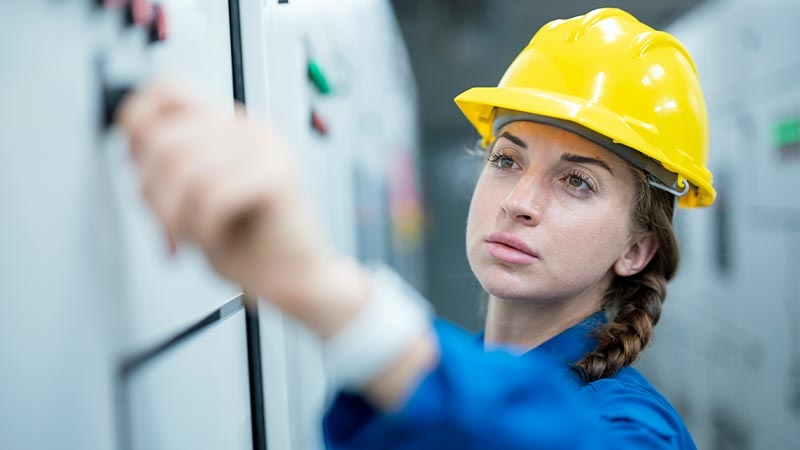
<point>577,182</point>
<point>580,183</point>
<point>503,162</point>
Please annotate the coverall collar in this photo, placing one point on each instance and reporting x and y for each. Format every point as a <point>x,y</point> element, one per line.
<point>574,343</point>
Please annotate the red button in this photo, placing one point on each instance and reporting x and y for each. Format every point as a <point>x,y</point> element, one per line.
<point>112,3</point>
<point>140,13</point>
<point>318,124</point>
<point>158,27</point>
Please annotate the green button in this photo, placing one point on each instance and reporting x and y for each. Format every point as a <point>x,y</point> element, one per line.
<point>318,78</point>
<point>786,132</point>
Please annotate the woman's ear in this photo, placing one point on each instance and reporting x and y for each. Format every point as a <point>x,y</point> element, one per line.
<point>639,252</point>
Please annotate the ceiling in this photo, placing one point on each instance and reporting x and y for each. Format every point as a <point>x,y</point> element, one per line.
<point>458,44</point>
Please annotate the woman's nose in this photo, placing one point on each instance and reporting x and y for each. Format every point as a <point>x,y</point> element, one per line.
<point>524,202</point>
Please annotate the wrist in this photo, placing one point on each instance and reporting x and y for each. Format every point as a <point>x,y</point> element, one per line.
<point>384,333</point>
<point>335,293</point>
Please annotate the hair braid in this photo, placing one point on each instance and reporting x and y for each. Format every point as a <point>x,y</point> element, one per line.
<point>633,304</point>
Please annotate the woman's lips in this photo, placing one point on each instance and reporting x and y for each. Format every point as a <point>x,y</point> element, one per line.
<point>508,248</point>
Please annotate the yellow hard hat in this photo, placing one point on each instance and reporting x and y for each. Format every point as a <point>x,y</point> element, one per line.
<point>617,82</point>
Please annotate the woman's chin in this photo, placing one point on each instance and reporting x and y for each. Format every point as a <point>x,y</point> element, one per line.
<point>505,288</point>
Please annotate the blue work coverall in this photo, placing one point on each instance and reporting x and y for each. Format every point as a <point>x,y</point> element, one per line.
<point>477,399</point>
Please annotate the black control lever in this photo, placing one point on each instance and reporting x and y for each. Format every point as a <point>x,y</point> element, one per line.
<point>112,98</point>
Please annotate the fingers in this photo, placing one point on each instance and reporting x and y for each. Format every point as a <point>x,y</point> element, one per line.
<point>146,107</point>
<point>167,127</point>
<point>211,177</point>
<point>228,185</point>
<point>179,162</point>
<point>201,177</point>
<point>229,209</point>
<point>162,157</point>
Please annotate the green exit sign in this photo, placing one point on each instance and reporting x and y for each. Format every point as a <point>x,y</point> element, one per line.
<point>786,132</point>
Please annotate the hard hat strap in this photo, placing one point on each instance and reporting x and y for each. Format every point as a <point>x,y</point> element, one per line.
<point>656,183</point>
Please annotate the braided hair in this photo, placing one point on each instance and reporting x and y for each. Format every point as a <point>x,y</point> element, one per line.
<point>633,304</point>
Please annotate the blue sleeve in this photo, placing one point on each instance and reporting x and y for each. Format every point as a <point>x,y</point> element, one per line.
<point>484,400</point>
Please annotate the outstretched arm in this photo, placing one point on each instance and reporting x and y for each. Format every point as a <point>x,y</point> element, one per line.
<point>230,186</point>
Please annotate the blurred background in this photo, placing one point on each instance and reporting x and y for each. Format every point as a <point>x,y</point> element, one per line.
<point>108,342</point>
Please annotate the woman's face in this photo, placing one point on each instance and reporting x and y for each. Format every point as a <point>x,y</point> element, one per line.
<point>549,217</point>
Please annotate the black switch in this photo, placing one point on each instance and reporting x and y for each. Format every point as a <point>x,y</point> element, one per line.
<point>112,99</point>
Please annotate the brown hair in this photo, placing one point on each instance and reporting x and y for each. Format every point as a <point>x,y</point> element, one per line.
<point>633,304</point>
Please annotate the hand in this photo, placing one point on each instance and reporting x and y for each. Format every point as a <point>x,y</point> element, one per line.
<point>227,185</point>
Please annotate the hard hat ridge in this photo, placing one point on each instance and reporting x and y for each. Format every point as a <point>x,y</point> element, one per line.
<point>592,19</point>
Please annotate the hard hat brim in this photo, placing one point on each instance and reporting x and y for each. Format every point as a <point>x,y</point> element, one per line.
<point>479,104</point>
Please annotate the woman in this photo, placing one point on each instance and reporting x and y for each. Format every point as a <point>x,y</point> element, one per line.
<point>594,133</point>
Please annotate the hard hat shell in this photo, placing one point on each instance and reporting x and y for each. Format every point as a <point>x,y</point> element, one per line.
<point>613,76</point>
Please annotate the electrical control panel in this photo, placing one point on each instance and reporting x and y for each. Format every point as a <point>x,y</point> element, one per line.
<point>109,338</point>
